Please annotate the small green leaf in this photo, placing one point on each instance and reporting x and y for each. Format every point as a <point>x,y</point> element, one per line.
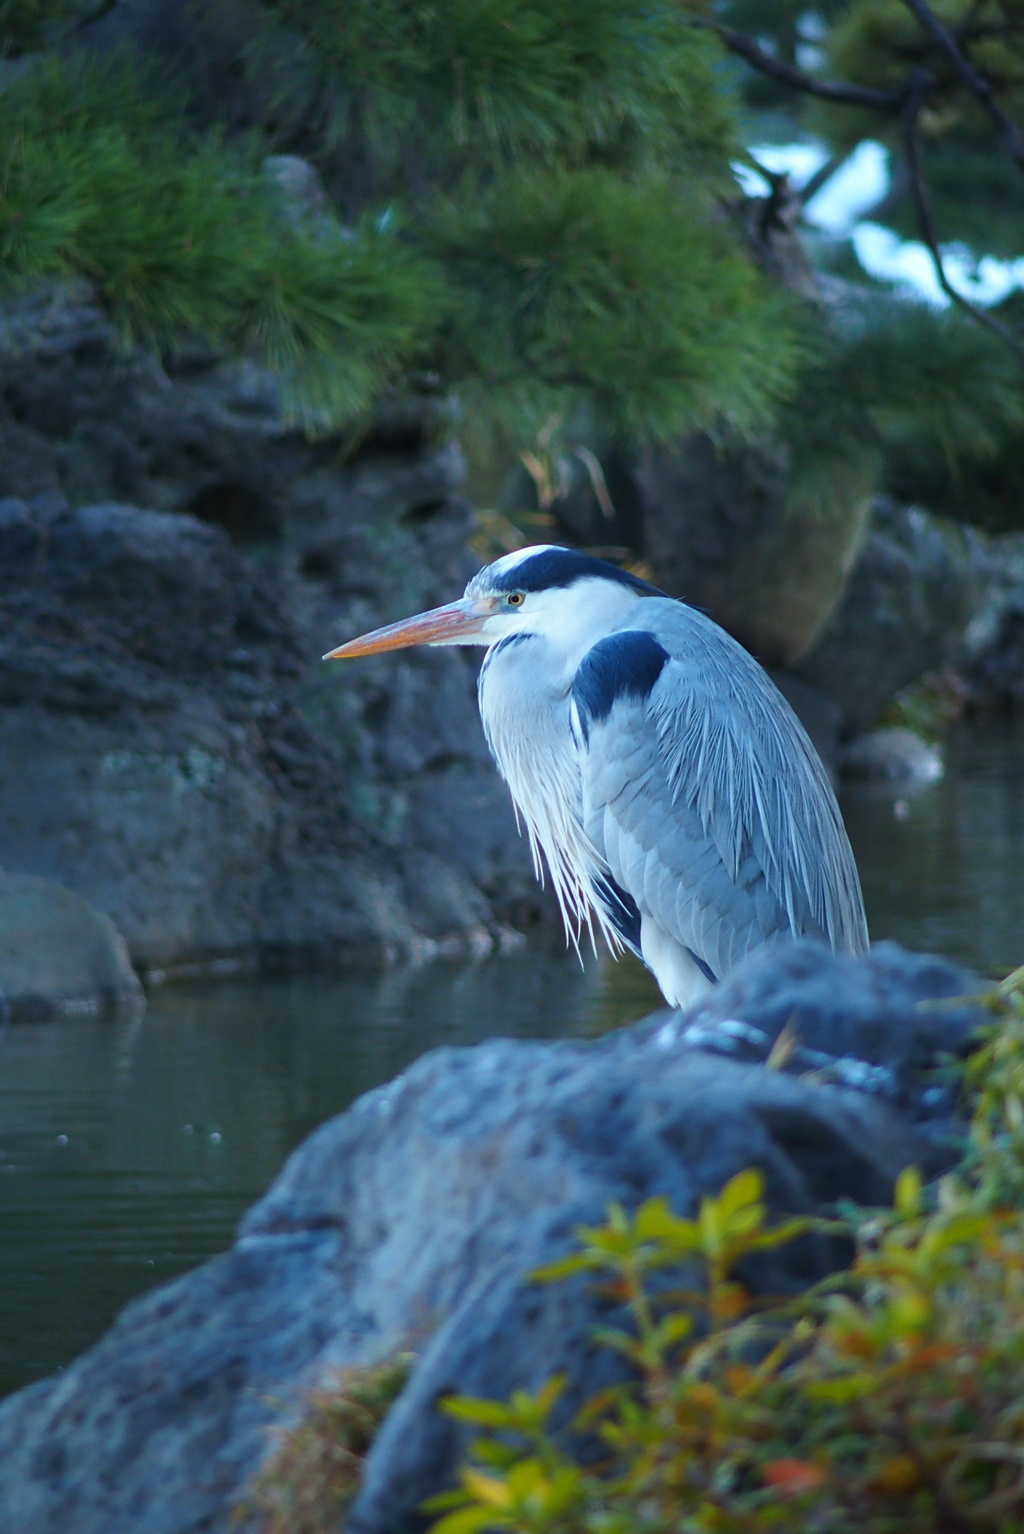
<point>564,1267</point>
<point>466,1520</point>
<point>777,1235</point>
<point>745,1188</point>
<point>673,1328</point>
<point>656,1222</point>
<point>907,1200</point>
<point>850,1387</point>
<point>483,1412</point>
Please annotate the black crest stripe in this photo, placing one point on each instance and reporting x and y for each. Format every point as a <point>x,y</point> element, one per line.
<point>554,568</point>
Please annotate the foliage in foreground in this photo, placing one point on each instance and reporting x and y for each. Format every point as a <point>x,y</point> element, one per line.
<point>311,1477</point>
<point>885,1399</point>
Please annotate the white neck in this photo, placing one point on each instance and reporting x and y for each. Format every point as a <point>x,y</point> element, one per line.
<point>572,619</point>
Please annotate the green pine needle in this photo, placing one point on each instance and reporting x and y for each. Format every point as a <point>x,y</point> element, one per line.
<point>179,234</point>
<point>577,286</point>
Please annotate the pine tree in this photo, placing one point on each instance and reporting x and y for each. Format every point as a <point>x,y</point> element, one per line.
<point>531,209</point>
<point>941,84</point>
<point>524,202</point>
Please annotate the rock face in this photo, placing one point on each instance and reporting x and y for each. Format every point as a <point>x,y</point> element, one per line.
<point>174,558</point>
<point>722,529</point>
<point>171,747</point>
<point>994,643</point>
<point>717,525</point>
<point>57,954</point>
<point>912,594</point>
<point>412,1219</point>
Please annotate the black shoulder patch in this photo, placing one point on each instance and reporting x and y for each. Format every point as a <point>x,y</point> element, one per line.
<point>624,665</point>
<point>621,910</point>
<point>560,567</point>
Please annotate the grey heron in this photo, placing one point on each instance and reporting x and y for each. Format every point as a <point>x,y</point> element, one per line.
<point>678,803</point>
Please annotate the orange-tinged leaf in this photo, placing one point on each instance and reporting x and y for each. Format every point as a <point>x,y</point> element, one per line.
<point>731,1301</point>
<point>704,1395</point>
<point>925,1355</point>
<point>793,1476</point>
<point>855,1344</point>
<point>898,1477</point>
<point>737,1378</point>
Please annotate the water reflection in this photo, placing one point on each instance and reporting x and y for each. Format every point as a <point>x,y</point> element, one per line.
<point>943,870</point>
<point>128,1150</point>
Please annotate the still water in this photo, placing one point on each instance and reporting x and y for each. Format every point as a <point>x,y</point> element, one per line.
<point>128,1149</point>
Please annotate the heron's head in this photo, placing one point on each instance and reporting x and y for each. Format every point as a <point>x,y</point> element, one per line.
<point>541,590</point>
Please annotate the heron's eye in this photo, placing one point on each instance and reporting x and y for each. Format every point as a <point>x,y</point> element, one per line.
<point>515,599</point>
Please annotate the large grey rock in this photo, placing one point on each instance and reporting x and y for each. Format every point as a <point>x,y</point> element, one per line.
<point>415,1216</point>
<point>720,525</point>
<point>913,591</point>
<point>993,647</point>
<point>58,954</point>
<point>724,529</point>
<point>170,745</point>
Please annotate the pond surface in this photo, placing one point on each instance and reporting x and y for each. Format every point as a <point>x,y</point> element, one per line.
<point>128,1149</point>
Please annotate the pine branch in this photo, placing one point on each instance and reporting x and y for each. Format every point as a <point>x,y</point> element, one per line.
<point>923,213</point>
<point>975,82</point>
<point>826,90</point>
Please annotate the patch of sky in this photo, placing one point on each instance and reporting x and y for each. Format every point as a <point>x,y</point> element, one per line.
<point>859,185</point>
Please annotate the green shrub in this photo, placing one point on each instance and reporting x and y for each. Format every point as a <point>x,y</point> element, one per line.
<point>886,1400</point>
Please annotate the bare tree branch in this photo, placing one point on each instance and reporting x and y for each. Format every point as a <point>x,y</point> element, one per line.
<point>908,100</point>
<point>923,215</point>
<point>824,173</point>
<point>975,81</point>
<point>766,64</point>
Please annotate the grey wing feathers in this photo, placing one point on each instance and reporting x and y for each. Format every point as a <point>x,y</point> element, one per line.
<point>710,805</point>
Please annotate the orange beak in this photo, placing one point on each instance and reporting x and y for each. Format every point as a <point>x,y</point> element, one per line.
<point>452,624</point>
